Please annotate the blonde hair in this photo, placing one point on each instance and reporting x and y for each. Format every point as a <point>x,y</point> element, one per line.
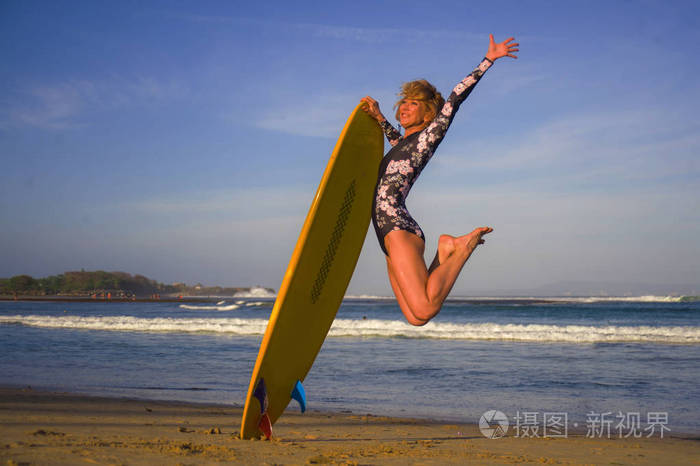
<point>423,91</point>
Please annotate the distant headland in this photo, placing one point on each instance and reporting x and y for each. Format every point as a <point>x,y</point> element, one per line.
<point>114,285</point>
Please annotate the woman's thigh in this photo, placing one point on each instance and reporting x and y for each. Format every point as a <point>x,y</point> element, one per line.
<point>407,264</point>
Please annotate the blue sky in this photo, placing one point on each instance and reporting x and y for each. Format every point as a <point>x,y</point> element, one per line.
<point>185,140</point>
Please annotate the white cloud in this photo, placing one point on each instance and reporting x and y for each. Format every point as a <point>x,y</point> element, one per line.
<point>67,105</point>
<point>384,35</point>
<point>624,146</point>
<point>344,32</point>
<point>238,205</point>
<point>317,116</point>
<point>51,107</point>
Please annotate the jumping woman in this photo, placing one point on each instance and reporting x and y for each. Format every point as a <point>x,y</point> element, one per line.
<point>425,117</point>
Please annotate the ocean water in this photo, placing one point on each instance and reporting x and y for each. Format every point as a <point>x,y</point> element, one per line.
<point>583,356</point>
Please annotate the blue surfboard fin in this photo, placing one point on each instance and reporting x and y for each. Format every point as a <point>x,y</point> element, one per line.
<point>260,393</point>
<point>299,394</point>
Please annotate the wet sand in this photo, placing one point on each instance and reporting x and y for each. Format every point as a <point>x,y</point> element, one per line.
<point>60,429</point>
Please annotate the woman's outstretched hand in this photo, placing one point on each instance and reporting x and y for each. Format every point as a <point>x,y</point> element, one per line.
<point>502,49</point>
<point>371,108</point>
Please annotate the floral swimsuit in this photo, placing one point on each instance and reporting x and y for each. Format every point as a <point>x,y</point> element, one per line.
<point>403,163</point>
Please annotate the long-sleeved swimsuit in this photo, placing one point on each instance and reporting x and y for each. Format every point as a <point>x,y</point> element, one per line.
<point>401,166</point>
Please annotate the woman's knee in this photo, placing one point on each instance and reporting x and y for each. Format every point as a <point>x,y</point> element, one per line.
<point>416,322</point>
<point>425,311</point>
<point>420,313</point>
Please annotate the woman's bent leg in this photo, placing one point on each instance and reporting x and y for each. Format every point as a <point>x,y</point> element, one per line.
<point>421,294</point>
<point>405,309</point>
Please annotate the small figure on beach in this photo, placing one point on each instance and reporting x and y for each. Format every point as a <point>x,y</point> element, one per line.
<point>425,116</point>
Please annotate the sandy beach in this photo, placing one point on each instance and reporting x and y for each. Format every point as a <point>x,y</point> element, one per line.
<point>59,428</point>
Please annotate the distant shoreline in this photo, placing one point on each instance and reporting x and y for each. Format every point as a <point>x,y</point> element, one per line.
<point>87,299</point>
<point>211,299</point>
<point>478,300</point>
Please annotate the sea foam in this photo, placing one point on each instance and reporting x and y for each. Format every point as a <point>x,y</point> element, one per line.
<point>226,307</point>
<point>379,328</point>
<point>581,299</point>
<point>630,299</point>
<point>255,292</point>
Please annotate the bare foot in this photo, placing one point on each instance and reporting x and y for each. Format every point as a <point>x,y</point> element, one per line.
<point>448,245</point>
<point>473,239</point>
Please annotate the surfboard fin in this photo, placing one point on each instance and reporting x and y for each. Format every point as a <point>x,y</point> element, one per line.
<point>260,393</point>
<point>264,423</point>
<point>299,394</point>
<point>265,426</point>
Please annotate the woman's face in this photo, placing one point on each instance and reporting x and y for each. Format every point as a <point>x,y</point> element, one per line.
<point>413,113</point>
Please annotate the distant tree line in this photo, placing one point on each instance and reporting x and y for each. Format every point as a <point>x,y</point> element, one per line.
<point>88,283</point>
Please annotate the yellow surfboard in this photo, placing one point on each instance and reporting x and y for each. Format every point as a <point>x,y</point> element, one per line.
<point>317,276</point>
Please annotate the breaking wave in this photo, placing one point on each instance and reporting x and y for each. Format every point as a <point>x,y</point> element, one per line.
<point>224,307</point>
<point>379,328</point>
<point>581,299</point>
<point>255,292</point>
<point>633,299</point>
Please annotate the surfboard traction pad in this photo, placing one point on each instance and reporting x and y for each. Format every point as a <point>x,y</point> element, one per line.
<point>332,247</point>
<point>264,424</point>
